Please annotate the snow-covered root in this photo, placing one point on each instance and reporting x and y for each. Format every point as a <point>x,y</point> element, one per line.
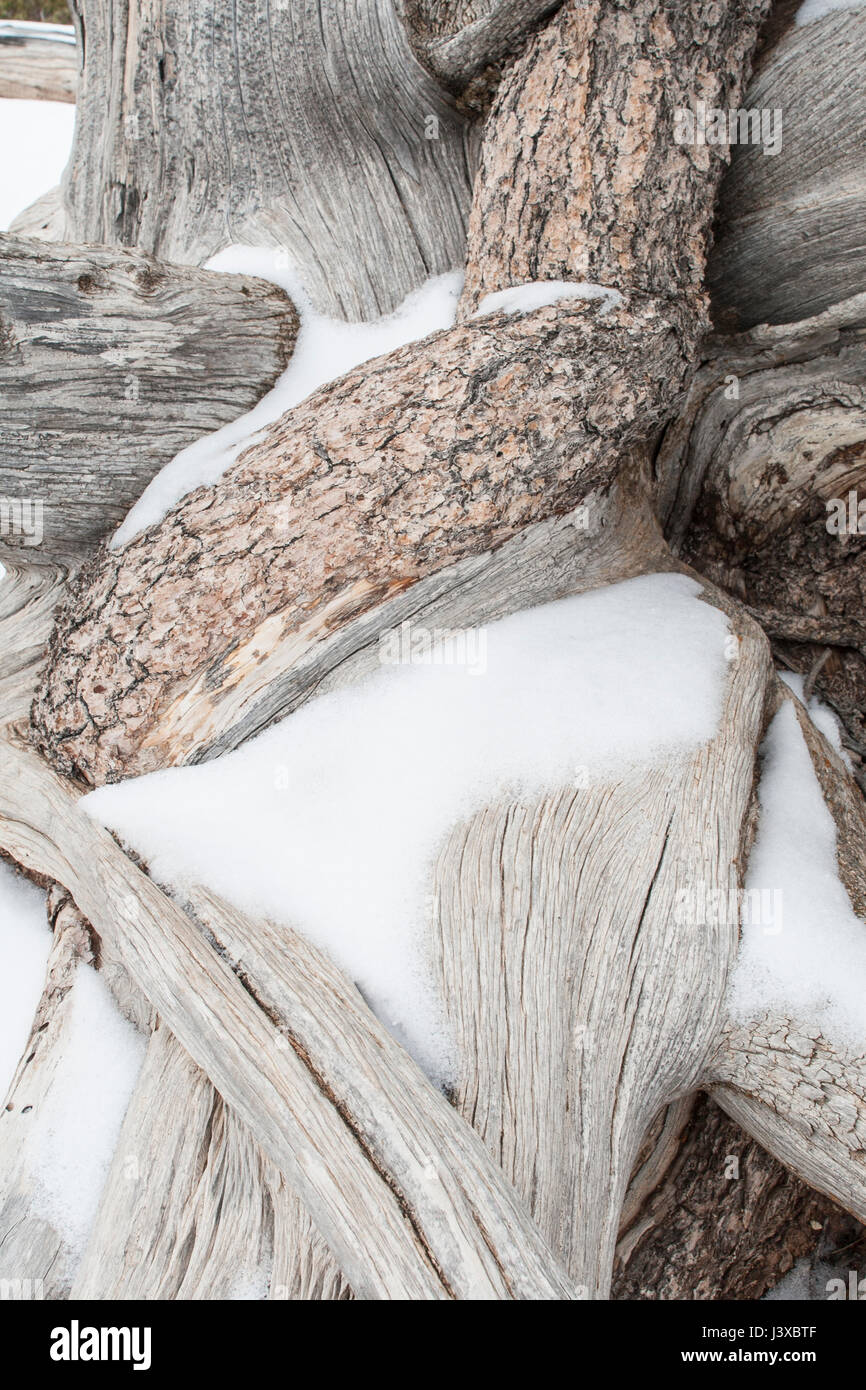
<point>584,1000</point>
<point>34,1248</point>
<point>793,1074</point>
<point>402,1190</point>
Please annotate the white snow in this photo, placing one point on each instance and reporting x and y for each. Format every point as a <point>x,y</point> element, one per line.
<point>326,349</point>
<point>537,294</point>
<point>35,140</point>
<point>25,940</point>
<point>814,968</point>
<point>75,1134</point>
<point>820,714</point>
<point>330,820</point>
<point>817,9</point>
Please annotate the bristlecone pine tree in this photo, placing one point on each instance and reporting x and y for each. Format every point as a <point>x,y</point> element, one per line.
<point>603,1088</point>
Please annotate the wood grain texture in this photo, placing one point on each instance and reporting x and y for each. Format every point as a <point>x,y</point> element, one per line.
<point>790,239</point>
<point>310,126</point>
<point>436,453</point>
<point>184,1213</point>
<point>773,428</point>
<point>800,1095</point>
<point>359,1154</point>
<point>111,363</point>
<point>444,449</point>
<point>583,1005</point>
<point>36,67</point>
<point>33,1247</point>
<point>29,595</point>
<point>456,40</point>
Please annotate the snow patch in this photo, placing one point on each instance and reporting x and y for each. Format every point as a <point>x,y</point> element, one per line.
<point>817,9</point>
<point>25,941</point>
<point>537,294</point>
<point>325,349</point>
<point>330,821</point>
<point>812,964</point>
<point>75,1135</point>
<point>821,715</point>
<point>35,140</point>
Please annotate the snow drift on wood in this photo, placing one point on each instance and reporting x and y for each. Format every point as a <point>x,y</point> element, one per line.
<point>325,349</point>
<point>75,1134</point>
<point>537,294</point>
<point>811,966</point>
<point>35,140</point>
<point>330,821</point>
<point>25,940</point>
<point>817,9</point>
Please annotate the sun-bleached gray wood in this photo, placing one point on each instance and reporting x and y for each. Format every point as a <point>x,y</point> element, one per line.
<point>791,235</point>
<point>110,363</point>
<point>461,1233</point>
<point>312,127</point>
<point>35,1253</point>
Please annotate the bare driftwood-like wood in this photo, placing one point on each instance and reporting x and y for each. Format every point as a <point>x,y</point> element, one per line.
<point>312,127</point>
<point>38,62</point>
<point>29,595</point>
<point>184,1212</point>
<point>457,39</point>
<point>790,239</point>
<point>567,1052</point>
<point>360,1156</point>
<point>35,1256</point>
<point>800,1095</point>
<point>498,464</point>
<point>111,363</point>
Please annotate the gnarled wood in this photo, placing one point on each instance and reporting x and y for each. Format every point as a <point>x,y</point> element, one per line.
<point>800,1095</point>
<point>111,363</point>
<point>32,1248</point>
<point>790,239</point>
<point>184,1212</point>
<point>724,1220</point>
<point>773,428</point>
<point>559,944</point>
<point>206,125</point>
<point>359,1155</point>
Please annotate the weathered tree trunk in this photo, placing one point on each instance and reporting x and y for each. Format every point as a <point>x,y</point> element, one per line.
<point>508,461</point>
<point>773,430</point>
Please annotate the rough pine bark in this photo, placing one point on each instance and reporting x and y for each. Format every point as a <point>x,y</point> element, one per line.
<point>447,448</point>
